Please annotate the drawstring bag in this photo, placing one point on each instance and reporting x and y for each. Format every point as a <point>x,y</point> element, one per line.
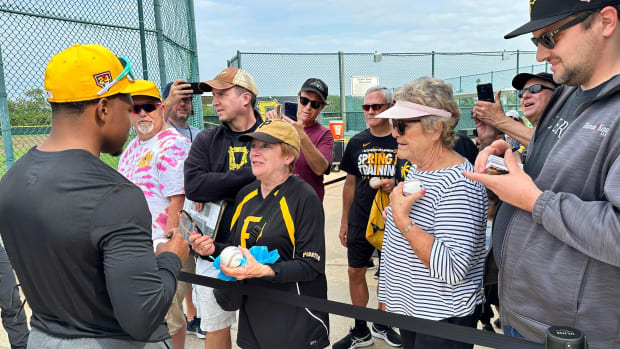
<point>376,225</point>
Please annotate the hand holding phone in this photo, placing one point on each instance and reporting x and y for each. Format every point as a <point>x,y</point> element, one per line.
<point>290,110</point>
<point>485,92</point>
<point>194,88</point>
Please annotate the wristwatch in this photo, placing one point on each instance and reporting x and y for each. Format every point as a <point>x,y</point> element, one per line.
<point>404,232</point>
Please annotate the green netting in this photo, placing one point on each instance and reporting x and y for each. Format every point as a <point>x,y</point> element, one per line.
<point>280,75</point>
<point>34,30</point>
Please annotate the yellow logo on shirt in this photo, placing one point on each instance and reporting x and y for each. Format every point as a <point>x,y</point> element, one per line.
<point>145,160</point>
<point>233,154</point>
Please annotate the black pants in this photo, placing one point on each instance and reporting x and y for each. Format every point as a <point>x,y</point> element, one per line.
<point>413,340</point>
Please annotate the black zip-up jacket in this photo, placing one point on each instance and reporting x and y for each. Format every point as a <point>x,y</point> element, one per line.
<point>207,174</point>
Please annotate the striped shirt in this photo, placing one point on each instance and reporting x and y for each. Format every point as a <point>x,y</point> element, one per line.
<point>454,211</point>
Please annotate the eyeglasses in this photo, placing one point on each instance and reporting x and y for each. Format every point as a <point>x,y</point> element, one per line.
<point>546,39</point>
<point>374,107</point>
<point>533,89</point>
<point>401,125</point>
<point>147,107</point>
<point>314,104</point>
<point>126,72</point>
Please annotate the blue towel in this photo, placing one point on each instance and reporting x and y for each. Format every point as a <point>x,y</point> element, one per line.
<point>260,253</point>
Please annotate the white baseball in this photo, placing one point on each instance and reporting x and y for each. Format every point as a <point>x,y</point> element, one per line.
<point>412,186</point>
<point>374,182</point>
<point>231,256</point>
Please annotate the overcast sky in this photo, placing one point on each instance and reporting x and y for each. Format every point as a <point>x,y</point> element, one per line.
<point>223,27</point>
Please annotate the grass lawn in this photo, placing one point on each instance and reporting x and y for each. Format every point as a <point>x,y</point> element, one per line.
<point>21,145</point>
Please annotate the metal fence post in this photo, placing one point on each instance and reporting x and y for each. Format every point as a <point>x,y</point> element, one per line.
<point>160,42</point>
<point>239,59</point>
<point>343,93</point>
<point>7,141</point>
<point>516,94</point>
<point>145,67</point>
<point>433,63</point>
<point>195,75</point>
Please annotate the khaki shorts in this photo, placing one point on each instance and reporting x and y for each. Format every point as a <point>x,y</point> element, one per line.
<point>175,318</point>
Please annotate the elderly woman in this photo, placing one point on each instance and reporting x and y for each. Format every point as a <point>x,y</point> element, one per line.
<point>433,249</point>
<point>282,212</point>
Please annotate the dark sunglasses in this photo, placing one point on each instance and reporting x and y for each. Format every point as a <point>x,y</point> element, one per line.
<point>314,104</point>
<point>147,107</point>
<point>546,39</point>
<point>401,125</point>
<point>533,89</point>
<point>374,107</point>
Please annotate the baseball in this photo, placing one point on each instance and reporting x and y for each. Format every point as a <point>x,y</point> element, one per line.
<point>374,182</point>
<point>231,256</point>
<point>412,186</point>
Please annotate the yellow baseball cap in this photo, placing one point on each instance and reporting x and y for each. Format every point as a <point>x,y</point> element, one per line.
<point>86,72</point>
<point>274,131</point>
<point>143,88</point>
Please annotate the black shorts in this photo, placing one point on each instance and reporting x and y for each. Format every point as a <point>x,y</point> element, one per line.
<point>359,250</point>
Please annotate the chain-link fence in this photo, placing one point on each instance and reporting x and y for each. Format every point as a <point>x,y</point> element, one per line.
<point>280,75</point>
<point>158,37</point>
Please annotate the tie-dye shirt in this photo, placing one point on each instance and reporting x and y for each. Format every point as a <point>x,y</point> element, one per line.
<point>156,166</point>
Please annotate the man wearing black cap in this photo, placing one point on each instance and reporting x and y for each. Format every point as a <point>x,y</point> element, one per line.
<point>560,224</point>
<point>317,142</point>
<point>534,91</point>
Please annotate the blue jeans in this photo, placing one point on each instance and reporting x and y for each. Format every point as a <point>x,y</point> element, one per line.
<point>510,331</point>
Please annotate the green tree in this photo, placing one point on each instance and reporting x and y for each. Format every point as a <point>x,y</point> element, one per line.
<point>30,110</point>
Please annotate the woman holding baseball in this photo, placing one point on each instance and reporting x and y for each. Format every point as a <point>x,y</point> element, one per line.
<point>433,249</point>
<point>284,213</point>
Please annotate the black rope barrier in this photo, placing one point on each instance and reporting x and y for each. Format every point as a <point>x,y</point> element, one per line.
<point>428,327</point>
<point>335,180</point>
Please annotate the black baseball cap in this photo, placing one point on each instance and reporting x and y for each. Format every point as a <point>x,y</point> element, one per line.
<point>317,86</point>
<point>547,12</point>
<point>520,79</point>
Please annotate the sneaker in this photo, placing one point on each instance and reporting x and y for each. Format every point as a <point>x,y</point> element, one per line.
<point>194,327</point>
<point>387,334</point>
<point>351,341</point>
<point>488,327</point>
<point>497,323</point>
<point>371,264</point>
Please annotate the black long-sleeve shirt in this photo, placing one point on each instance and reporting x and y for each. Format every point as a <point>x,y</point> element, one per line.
<point>79,237</point>
<point>217,167</point>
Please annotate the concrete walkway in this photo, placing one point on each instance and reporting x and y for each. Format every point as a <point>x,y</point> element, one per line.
<point>336,271</point>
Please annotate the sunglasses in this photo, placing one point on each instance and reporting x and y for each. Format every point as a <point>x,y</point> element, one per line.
<point>147,107</point>
<point>546,39</point>
<point>533,89</point>
<point>374,107</point>
<point>401,125</point>
<point>314,104</point>
<point>126,72</point>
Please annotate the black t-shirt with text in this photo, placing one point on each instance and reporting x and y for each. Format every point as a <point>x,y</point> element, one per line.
<point>367,156</point>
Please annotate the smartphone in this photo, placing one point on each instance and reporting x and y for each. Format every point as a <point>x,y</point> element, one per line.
<point>485,92</point>
<point>290,110</point>
<point>195,89</point>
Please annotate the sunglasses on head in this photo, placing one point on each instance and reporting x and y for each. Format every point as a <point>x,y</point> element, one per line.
<point>401,125</point>
<point>127,72</point>
<point>147,107</point>
<point>374,107</point>
<point>546,39</point>
<point>314,104</point>
<point>533,89</point>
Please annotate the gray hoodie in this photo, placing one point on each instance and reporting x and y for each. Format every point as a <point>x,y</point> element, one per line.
<point>560,264</point>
